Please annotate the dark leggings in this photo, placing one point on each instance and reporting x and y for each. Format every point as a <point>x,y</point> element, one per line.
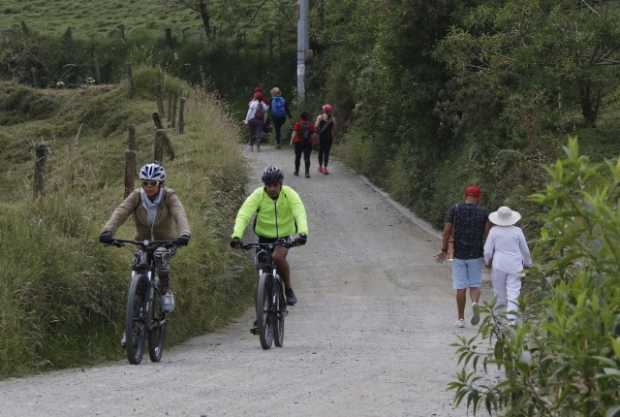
<point>306,149</point>
<point>325,145</point>
<point>277,125</point>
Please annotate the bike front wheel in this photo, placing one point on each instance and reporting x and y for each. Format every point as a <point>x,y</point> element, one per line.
<point>263,310</point>
<point>278,313</point>
<point>157,329</point>
<point>135,319</point>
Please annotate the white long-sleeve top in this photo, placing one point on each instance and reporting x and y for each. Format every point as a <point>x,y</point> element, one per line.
<point>252,109</point>
<point>507,247</point>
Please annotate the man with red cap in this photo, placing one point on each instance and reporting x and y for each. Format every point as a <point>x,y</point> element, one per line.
<point>467,223</point>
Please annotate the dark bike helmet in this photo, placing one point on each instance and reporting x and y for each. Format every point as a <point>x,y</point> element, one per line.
<point>272,174</point>
<point>153,172</point>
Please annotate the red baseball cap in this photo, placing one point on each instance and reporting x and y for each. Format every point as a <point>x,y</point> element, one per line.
<point>472,191</point>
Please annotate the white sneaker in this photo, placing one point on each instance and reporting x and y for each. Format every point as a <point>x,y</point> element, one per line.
<point>460,323</point>
<point>167,302</point>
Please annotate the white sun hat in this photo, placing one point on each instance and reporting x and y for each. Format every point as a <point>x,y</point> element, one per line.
<point>504,216</point>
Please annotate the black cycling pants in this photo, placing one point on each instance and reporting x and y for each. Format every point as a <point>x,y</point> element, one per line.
<point>277,125</point>
<point>325,146</point>
<point>306,149</point>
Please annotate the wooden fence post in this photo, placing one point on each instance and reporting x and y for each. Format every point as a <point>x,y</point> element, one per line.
<point>160,101</point>
<point>97,71</point>
<point>161,142</point>
<point>169,40</point>
<point>130,161</point>
<point>169,114</point>
<point>35,81</point>
<point>203,78</point>
<point>157,121</point>
<point>130,80</point>
<point>41,152</point>
<point>181,123</point>
<point>173,115</point>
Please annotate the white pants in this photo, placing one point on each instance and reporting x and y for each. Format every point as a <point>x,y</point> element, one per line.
<point>507,288</point>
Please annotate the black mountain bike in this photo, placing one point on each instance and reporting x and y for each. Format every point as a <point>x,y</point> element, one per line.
<point>144,317</point>
<point>270,295</point>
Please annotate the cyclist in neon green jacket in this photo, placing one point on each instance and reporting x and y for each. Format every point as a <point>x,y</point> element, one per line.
<point>280,214</point>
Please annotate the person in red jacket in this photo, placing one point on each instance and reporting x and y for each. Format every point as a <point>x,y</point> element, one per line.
<point>303,137</point>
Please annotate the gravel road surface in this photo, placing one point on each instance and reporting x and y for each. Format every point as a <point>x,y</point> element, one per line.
<point>370,335</point>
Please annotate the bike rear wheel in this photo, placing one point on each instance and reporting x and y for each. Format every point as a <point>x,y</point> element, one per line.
<point>157,329</point>
<point>135,319</point>
<point>278,313</point>
<point>263,310</point>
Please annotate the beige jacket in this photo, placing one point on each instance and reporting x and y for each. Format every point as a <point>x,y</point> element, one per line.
<point>170,223</point>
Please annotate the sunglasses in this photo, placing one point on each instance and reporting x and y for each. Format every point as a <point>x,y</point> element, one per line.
<point>149,183</point>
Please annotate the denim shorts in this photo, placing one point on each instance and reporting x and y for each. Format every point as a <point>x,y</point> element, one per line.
<point>466,273</point>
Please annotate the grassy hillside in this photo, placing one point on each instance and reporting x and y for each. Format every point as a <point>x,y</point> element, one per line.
<point>62,294</point>
<point>90,18</point>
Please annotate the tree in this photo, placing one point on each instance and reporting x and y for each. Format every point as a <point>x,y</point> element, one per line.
<point>200,7</point>
<point>524,47</point>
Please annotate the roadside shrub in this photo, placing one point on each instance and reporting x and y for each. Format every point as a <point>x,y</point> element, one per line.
<point>62,294</point>
<point>564,360</point>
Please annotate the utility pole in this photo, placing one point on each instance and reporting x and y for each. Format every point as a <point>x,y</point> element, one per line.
<point>302,47</point>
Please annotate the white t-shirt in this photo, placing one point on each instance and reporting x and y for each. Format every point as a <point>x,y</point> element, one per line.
<point>507,247</point>
<point>252,109</point>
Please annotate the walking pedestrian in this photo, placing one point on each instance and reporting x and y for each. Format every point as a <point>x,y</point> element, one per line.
<point>507,253</point>
<point>468,225</point>
<point>255,120</point>
<point>279,111</point>
<point>325,123</point>
<point>304,136</point>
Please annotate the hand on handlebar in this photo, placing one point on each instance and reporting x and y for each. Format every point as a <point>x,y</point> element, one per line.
<point>235,243</point>
<point>106,238</point>
<point>301,239</point>
<point>182,240</point>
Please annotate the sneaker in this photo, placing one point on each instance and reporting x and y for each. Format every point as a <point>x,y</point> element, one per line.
<point>290,297</point>
<point>167,302</point>
<point>296,173</point>
<point>320,169</point>
<point>325,171</point>
<point>254,329</point>
<point>460,323</point>
<point>475,319</point>
<point>307,175</point>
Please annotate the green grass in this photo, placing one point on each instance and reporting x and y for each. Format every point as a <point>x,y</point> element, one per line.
<point>62,294</point>
<point>90,18</point>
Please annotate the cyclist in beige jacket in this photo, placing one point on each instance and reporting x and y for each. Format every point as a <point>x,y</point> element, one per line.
<point>158,215</point>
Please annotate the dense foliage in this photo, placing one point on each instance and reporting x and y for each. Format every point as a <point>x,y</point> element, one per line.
<point>440,94</point>
<point>564,361</point>
<point>62,294</point>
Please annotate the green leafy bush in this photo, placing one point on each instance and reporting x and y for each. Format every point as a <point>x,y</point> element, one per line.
<point>564,360</point>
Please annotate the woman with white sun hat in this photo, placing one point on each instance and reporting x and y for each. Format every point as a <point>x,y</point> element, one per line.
<point>506,251</point>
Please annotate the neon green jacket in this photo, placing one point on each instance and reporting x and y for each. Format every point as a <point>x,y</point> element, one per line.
<point>274,219</point>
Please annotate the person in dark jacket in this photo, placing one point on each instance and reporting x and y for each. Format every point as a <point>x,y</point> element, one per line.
<point>467,223</point>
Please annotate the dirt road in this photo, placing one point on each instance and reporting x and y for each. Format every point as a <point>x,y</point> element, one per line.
<point>369,337</point>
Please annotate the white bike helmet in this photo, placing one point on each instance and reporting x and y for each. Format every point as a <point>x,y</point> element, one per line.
<point>153,172</point>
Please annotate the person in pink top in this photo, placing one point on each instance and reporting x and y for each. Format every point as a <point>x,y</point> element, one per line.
<point>507,253</point>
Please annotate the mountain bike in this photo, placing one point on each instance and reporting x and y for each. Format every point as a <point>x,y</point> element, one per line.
<point>144,318</point>
<point>270,296</point>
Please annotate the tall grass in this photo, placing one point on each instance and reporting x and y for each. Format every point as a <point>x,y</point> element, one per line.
<point>62,294</point>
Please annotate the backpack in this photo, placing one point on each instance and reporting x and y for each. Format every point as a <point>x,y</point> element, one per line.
<point>305,132</point>
<point>278,107</point>
<point>260,111</point>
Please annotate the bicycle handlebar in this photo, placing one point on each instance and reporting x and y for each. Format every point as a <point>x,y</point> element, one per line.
<point>144,244</point>
<point>285,243</point>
